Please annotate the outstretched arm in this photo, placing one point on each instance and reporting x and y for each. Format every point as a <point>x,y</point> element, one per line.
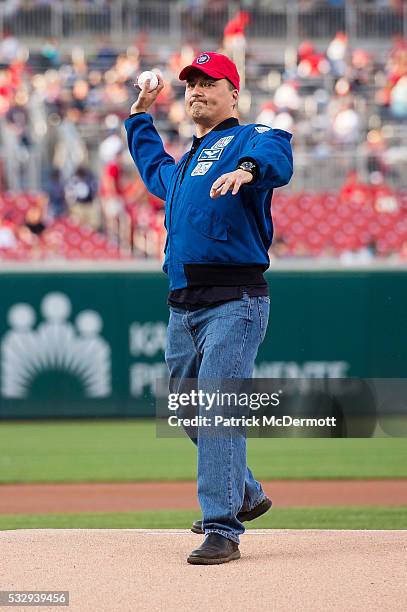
<point>155,165</point>
<point>270,152</point>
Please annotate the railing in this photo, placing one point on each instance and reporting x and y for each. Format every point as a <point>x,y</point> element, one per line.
<point>287,22</point>
<point>21,170</point>
<point>311,172</point>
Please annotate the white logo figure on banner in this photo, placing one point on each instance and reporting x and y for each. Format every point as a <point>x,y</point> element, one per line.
<point>54,345</point>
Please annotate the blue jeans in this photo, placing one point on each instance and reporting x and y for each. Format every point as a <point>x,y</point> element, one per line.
<point>219,342</point>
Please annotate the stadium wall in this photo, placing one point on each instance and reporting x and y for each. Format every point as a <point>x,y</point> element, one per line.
<point>91,343</point>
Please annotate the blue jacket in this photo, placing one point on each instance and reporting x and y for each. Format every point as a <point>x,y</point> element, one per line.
<point>201,231</point>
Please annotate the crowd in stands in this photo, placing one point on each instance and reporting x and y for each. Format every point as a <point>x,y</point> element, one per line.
<point>248,4</point>
<point>358,224</point>
<point>61,124</point>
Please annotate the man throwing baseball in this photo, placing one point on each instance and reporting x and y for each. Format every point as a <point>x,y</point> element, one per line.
<point>219,231</point>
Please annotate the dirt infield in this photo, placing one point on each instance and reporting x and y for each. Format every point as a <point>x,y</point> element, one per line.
<point>282,570</point>
<point>126,497</point>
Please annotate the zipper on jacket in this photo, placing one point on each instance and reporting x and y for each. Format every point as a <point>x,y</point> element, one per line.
<point>196,145</point>
<point>172,197</point>
<point>192,152</point>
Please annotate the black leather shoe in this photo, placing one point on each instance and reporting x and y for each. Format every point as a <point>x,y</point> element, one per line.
<point>216,549</point>
<point>250,515</point>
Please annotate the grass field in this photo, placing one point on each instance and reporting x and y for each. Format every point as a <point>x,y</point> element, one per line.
<point>117,450</point>
<point>277,518</point>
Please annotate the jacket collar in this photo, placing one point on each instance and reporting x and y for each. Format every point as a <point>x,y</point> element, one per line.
<point>223,125</point>
<point>226,124</point>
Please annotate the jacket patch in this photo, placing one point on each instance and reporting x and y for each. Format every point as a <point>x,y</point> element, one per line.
<point>210,154</point>
<point>262,128</point>
<point>201,168</point>
<point>222,142</point>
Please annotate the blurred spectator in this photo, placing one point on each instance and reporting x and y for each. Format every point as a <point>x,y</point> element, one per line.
<point>56,192</point>
<point>363,255</point>
<point>11,48</point>
<point>30,233</point>
<point>284,121</point>
<point>17,118</point>
<point>113,143</point>
<point>111,195</point>
<point>374,149</point>
<point>361,72</point>
<point>80,192</point>
<point>346,125</point>
<point>279,248</point>
<point>144,236</point>
<point>311,63</point>
<point>286,97</point>
<point>17,141</point>
<point>105,55</point>
<point>336,54</point>
<point>267,114</point>
<point>385,199</point>
<point>355,191</point>
<point>34,220</point>
<point>51,53</point>
<point>7,236</point>
<point>6,89</point>
<point>70,150</point>
<point>398,99</point>
<point>234,41</point>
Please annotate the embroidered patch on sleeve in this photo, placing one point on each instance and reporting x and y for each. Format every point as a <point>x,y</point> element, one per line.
<point>262,128</point>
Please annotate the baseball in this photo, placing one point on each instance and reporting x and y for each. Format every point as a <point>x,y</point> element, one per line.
<point>147,74</point>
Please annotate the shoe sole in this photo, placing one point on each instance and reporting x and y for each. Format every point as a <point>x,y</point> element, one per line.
<point>205,561</point>
<point>262,508</point>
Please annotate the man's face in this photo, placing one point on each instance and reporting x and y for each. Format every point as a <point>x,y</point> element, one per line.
<point>209,101</point>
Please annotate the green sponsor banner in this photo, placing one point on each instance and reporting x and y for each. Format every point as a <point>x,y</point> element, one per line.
<point>92,343</point>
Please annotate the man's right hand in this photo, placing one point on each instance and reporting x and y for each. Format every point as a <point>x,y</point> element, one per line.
<point>146,98</point>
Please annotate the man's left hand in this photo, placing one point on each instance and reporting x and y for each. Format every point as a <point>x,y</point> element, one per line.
<point>231,180</point>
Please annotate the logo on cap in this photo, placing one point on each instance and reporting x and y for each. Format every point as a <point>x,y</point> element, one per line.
<point>203,58</point>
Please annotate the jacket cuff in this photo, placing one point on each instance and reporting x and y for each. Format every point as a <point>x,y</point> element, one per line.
<point>138,113</point>
<point>256,168</point>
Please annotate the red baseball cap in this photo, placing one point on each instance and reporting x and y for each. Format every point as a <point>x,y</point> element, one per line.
<point>215,65</point>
